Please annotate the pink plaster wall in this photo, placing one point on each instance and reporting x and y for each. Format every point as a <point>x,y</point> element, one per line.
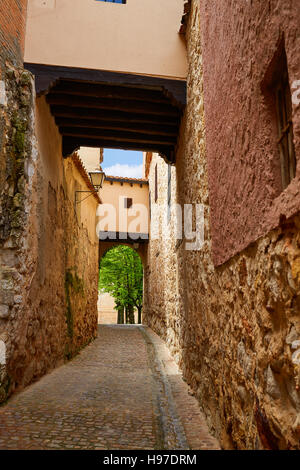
<point>239,41</point>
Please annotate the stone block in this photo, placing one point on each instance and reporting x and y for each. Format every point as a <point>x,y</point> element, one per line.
<point>4,312</point>
<point>3,97</point>
<point>292,336</point>
<point>272,387</point>
<point>2,353</point>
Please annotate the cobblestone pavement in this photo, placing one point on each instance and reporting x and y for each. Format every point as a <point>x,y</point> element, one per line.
<point>123,391</point>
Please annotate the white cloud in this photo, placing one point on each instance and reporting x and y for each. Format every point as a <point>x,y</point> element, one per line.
<point>127,171</point>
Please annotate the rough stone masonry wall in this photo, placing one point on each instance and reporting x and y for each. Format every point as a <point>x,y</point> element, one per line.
<point>160,281</point>
<point>15,127</point>
<point>81,262</point>
<point>48,259</point>
<point>17,155</point>
<point>235,329</point>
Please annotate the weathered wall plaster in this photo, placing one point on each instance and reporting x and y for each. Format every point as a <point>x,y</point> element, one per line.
<point>239,42</point>
<point>137,37</point>
<point>48,249</point>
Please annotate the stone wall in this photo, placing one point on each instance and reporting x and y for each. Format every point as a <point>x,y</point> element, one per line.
<point>48,244</point>
<point>160,273</point>
<point>234,329</point>
<point>81,259</point>
<point>17,160</point>
<point>15,106</point>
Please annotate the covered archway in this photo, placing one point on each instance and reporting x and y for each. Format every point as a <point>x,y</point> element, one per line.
<point>140,246</point>
<point>96,108</point>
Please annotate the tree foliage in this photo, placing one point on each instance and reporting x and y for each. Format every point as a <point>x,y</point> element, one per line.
<point>121,275</point>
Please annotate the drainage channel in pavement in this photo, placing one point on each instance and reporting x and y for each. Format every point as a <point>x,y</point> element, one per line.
<point>182,423</point>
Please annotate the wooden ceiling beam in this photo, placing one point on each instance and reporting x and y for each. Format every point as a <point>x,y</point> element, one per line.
<point>113,115</point>
<point>71,144</point>
<point>113,104</point>
<point>109,91</point>
<point>49,75</point>
<point>144,128</point>
<point>117,136</point>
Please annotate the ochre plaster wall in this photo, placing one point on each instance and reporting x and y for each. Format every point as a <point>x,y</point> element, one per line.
<point>49,253</point>
<point>120,220</point>
<point>138,37</point>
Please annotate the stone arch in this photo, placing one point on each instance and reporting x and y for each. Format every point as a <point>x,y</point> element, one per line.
<point>106,246</point>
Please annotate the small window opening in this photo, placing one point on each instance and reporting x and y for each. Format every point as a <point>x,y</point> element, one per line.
<point>127,202</point>
<point>282,92</point>
<point>112,1</point>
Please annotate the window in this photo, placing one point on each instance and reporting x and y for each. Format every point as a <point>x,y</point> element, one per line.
<point>169,191</point>
<point>112,1</point>
<point>127,202</point>
<point>282,93</point>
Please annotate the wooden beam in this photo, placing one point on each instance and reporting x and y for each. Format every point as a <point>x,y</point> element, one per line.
<point>109,91</point>
<point>127,117</point>
<point>48,75</point>
<point>144,128</point>
<point>112,104</point>
<point>70,144</point>
<point>117,136</point>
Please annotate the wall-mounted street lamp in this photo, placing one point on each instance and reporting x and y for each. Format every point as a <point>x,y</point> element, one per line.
<point>97,179</point>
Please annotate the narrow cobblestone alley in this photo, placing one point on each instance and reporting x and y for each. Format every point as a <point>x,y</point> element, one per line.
<point>123,391</point>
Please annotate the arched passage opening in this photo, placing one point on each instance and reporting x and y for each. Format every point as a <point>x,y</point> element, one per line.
<point>121,285</point>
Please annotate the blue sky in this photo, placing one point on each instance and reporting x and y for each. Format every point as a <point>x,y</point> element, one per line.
<point>125,163</point>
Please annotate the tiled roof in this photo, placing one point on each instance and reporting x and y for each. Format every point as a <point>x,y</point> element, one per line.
<point>126,180</point>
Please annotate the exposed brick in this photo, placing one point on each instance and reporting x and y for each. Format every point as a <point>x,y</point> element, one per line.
<point>12,30</point>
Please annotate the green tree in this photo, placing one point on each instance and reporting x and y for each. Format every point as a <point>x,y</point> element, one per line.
<point>121,275</point>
